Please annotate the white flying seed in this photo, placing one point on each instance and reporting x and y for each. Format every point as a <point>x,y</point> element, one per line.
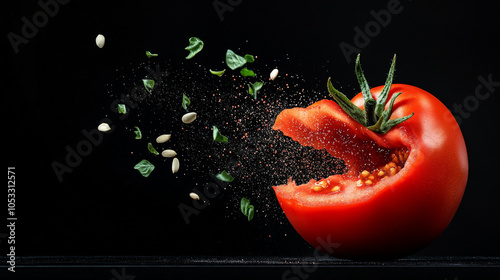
<point>274,74</point>
<point>194,196</point>
<point>189,118</point>
<point>163,138</point>
<point>175,165</point>
<point>100,40</point>
<point>169,153</point>
<point>104,127</point>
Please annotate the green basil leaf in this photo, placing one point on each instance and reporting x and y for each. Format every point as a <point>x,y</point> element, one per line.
<point>218,73</point>
<point>245,203</point>
<point>152,149</point>
<point>250,212</point>
<point>247,209</point>
<point>218,137</point>
<point>148,84</point>
<point>245,72</point>
<point>195,46</point>
<point>149,54</point>
<point>254,88</point>
<point>138,133</point>
<point>233,60</point>
<point>185,101</point>
<point>224,176</point>
<point>122,109</point>
<point>145,167</point>
<point>249,58</point>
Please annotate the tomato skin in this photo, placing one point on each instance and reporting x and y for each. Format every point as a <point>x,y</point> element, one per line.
<point>407,211</point>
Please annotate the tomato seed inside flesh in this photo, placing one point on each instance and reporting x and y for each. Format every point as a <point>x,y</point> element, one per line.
<point>369,178</point>
<point>398,160</point>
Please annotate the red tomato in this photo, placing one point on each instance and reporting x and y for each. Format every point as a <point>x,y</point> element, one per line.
<point>402,188</point>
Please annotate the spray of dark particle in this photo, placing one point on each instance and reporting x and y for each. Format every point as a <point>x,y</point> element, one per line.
<point>257,156</point>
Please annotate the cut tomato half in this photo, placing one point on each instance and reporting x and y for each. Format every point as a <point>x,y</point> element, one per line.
<point>401,188</point>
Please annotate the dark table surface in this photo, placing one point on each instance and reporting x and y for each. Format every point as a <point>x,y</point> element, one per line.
<point>244,267</point>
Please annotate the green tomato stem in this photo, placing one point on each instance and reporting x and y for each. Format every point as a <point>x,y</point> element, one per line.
<point>373,117</point>
<point>370,112</point>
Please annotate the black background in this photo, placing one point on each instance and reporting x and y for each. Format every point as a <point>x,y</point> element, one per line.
<point>58,84</point>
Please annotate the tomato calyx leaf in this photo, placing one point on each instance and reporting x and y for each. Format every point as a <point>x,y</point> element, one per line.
<point>373,116</point>
<point>352,110</point>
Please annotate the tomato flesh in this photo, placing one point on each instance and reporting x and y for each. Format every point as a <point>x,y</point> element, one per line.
<point>385,216</point>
